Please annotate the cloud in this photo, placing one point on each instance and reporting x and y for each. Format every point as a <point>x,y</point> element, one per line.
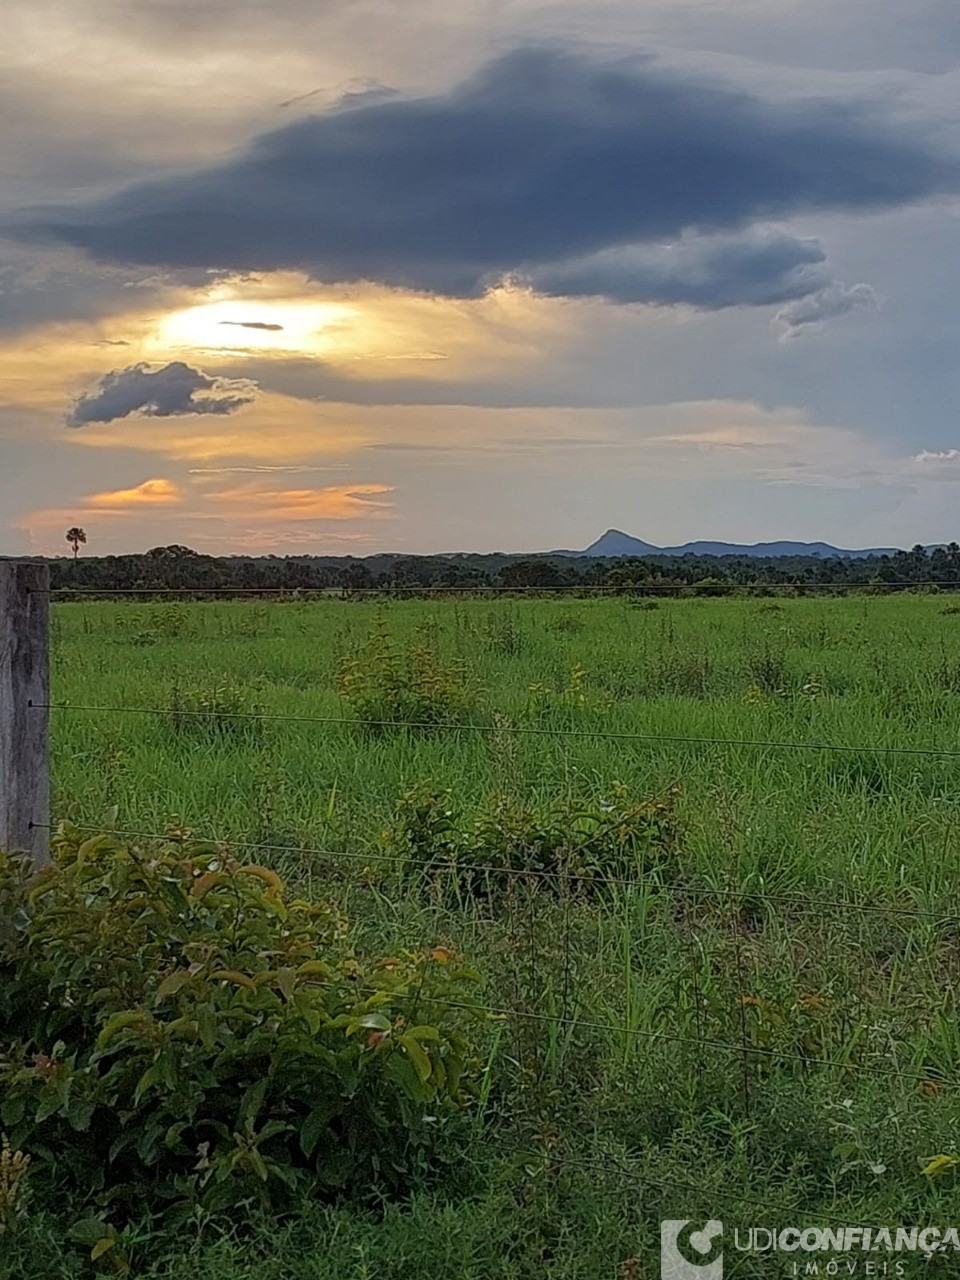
<point>250,514</point>
<point>162,393</point>
<point>758,267</point>
<point>543,159</point>
<point>861,34</point>
<point>253,324</point>
<point>357,92</point>
<point>260,470</point>
<point>937,455</point>
<point>721,438</point>
<point>152,493</point>
<point>935,464</point>
<point>60,286</point>
<point>810,314</point>
<point>98,511</point>
<point>334,502</point>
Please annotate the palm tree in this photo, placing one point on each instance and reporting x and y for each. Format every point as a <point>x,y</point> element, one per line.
<point>77,538</point>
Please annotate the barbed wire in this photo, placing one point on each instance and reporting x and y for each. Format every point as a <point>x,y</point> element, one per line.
<point>498,1013</point>
<point>526,873</point>
<point>668,1037</point>
<point>700,1042</point>
<point>533,730</point>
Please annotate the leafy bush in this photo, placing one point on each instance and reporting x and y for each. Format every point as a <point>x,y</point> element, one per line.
<point>13,1194</point>
<point>385,684</point>
<point>616,835</point>
<point>176,1034</point>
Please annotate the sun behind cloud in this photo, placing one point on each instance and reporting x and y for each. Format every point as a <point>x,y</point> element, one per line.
<point>253,328</point>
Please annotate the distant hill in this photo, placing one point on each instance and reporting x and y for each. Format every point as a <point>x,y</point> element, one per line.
<point>616,543</point>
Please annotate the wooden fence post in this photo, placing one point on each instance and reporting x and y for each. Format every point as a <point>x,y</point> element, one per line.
<point>24,718</point>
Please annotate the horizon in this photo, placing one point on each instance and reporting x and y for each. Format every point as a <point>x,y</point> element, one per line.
<point>807,551</point>
<point>248,303</point>
<point>373,908</point>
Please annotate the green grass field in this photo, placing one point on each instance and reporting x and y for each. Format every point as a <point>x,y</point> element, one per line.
<point>761,1027</point>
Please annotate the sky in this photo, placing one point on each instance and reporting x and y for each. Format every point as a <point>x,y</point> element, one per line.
<point>354,276</point>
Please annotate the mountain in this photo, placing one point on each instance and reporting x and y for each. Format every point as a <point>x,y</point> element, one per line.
<point>616,543</point>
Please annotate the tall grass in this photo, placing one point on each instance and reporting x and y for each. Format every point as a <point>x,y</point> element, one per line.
<point>772,1019</point>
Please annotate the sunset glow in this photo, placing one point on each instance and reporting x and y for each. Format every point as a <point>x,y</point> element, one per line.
<point>248,329</point>
<point>516,272</point>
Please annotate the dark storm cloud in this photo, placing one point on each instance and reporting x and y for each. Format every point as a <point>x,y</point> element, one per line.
<point>59,285</point>
<point>162,393</point>
<point>536,165</point>
<point>830,303</point>
<point>753,268</point>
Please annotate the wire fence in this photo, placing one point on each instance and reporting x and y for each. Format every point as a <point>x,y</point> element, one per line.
<point>701,586</point>
<point>540,731</point>
<point>567,879</point>
<point>864,1058</point>
<point>532,874</point>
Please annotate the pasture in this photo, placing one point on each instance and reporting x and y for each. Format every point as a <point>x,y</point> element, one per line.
<point>748,1011</point>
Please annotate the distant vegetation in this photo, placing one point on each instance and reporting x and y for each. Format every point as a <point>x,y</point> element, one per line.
<point>179,567</point>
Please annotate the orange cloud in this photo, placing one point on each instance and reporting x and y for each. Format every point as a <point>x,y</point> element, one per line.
<point>334,502</point>
<point>120,504</point>
<point>249,515</point>
<point>152,493</point>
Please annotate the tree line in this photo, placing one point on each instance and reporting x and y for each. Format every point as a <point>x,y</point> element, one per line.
<point>182,569</point>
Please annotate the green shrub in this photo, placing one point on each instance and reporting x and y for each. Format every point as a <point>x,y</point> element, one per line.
<point>178,1037</point>
<point>681,674</point>
<point>225,710</point>
<point>384,684</point>
<point>568,624</point>
<point>152,624</point>
<point>13,1186</point>
<point>576,694</point>
<point>503,636</point>
<point>767,667</point>
<point>565,844</point>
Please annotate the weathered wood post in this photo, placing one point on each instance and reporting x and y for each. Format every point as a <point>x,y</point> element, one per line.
<point>24,718</point>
